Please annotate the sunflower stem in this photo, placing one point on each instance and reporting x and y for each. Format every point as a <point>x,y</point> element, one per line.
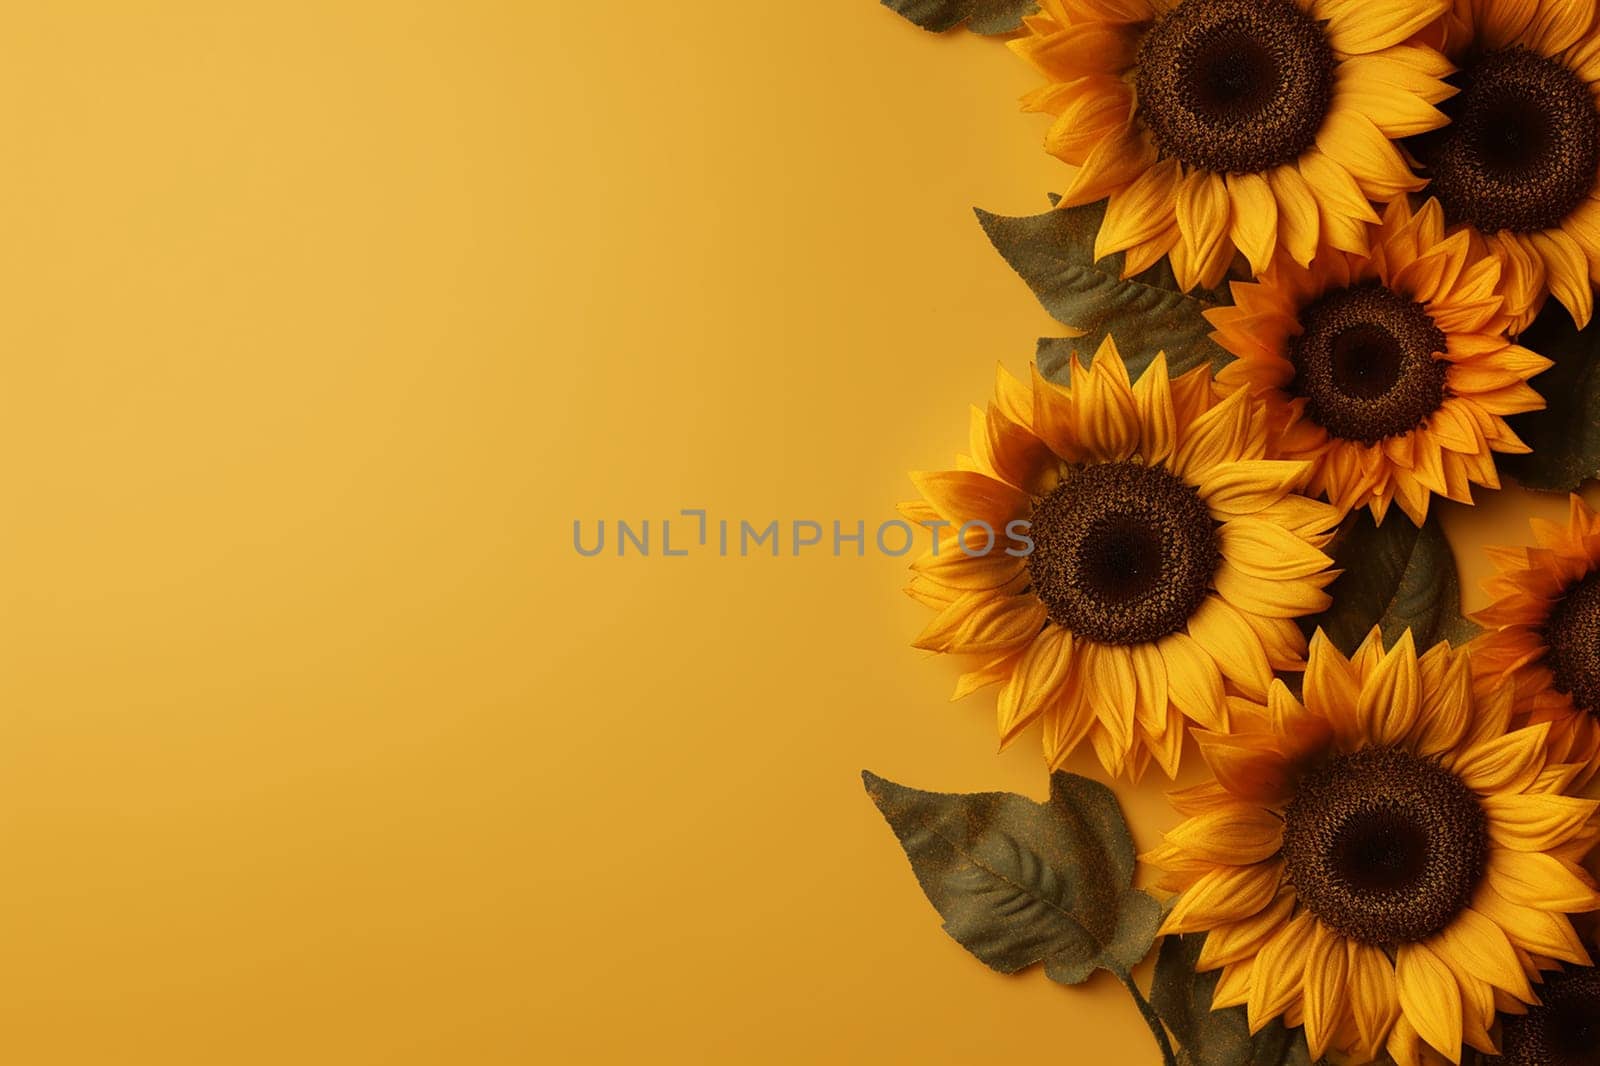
<point>1151,1018</point>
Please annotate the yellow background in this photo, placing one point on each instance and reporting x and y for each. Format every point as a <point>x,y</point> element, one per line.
<point>321,323</point>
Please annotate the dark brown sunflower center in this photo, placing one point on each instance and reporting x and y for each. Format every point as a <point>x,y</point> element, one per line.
<point>1572,634</point>
<point>1235,86</point>
<point>1522,145</point>
<point>1122,553</point>
<point>1383,846</point>
<point>1563,1031</point>
<point>1365,363</point>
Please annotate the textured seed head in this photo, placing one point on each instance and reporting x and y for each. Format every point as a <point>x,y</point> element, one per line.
<point>1522,147</point>
<point>1384,846</point>
<point>1366,363</point>
<point>1572,634</point>
<point>1123,553</point>
<point>1234,86</point>
<point>1563,1031</point>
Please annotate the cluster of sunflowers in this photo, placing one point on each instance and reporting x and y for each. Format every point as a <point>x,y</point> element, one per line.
<point>1390,849</point>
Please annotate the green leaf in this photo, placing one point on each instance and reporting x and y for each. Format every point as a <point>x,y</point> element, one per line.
<point>1396,577</point>
<point>1019,882</point>
<point>1054,253</point>
<point>1213,1038</point>
<point>980,16</point>
<point>1565,436</point>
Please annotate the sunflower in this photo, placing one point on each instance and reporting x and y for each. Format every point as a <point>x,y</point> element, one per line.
<point>1561,1029</point>
<point>1166,557</point>
<point>1542,637</point>
<point>1390,373</point>
<point>1518,161</point>
<point>1384,862</point>
<point>1221,125</point>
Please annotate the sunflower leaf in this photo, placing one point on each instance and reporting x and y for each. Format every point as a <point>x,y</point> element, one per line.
<point>980,16</point>
<point>1019,882</point>
<point>1397,577</point>
<point>1182,997</point>
<point>1147,313</point>
<point>1565,436</point>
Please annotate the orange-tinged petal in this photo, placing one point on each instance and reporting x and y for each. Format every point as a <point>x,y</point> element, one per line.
<point>1250,767</point>
<point>1331,686</point>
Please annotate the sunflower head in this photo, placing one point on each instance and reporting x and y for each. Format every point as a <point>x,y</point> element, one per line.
<point>1218,127</point>
<point>1383,860</point>
<point>1390,373</point>
<point>1541,635</point>
<point>1165,560</point>
<point>1518,161</point>
<point>1563,1029</point>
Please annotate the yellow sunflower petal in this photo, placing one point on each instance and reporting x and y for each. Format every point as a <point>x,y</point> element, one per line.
<point>1241,489</point>
<point>1244,938</point>
<point>1279,971</point>
<point>1203,213</point>
<point>1374,997</point>
<point>1298,225</point>
<point>1390,695</point>
<point>966,496</point>
<point>1268,550</point>
<point>1234,836</point>
<point>1108,669</point>
<point>1253,222</point>
<point>1326,995</point>
<point>1535,822</point>
<point>1264,596</point>
<point>1038,679</point>
<point>1194,681</point>
<point>1356,26</point>
<point>1158,423</point>
<point>1140,212</point>
<point>1535,879</point>
<point>1506,764</point>
<point>1567,270</point>
<point>1226,894</point>
<point>1430,998</point>
<point>1475,944</point>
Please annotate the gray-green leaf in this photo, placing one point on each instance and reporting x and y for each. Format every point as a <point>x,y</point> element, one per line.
<point>1147,313</point>
<point>1396,576</point>
<point>1565,436</point>
<point>980,16</point>
<point>1019,882</point>
<point>1213,1038</point>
